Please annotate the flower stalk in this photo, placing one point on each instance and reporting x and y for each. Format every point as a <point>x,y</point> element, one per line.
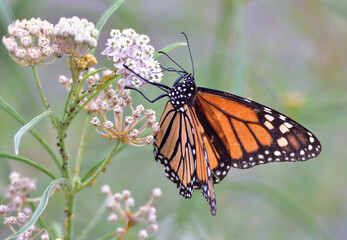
<point>91,180</point>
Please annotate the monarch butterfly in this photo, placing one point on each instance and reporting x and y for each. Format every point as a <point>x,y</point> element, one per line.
<point>205,132</point>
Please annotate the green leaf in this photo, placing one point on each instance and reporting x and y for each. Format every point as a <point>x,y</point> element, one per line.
<point>10,110</point>
<point>92,73</point>
<point>94,221</point>
<point>42,205</point>
<point>27,127</point>
<point>106,16</point>
<point>27,161</point>
<point>169,48</point>
<point>93,169</point>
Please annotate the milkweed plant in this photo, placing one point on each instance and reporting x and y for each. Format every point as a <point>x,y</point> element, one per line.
<point>103,96</point>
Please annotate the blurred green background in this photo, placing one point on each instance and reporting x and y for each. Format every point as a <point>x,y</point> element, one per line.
<point>288,54</point>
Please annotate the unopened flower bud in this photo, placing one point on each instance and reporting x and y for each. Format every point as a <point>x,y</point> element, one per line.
<point>143,234</point>
<point>95,121</point>
<point>112,218</point>
<point>126,194</point>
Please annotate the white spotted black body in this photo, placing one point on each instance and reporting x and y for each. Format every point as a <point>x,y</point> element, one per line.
<point>183,93</point>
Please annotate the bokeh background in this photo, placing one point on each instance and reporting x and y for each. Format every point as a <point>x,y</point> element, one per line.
<point>288,54</point>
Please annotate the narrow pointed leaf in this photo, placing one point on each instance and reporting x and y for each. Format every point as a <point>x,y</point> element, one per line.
<point>27,128</point>
<point>41,207</point>
<point>106,16</point>
<point>169,48</point>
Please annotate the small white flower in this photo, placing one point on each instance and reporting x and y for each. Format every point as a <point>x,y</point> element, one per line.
<point>149,139</point>
<point>10,220</point>
<point>153,227</point>
<point>112,218</point>
<point>152,218</point>
<point>95,121</point>
<point>108,124</point>
<point>117,109</point>
<point>126,194</point>
<point>117,197</point>
<point>128,120</point>
<point>143,234</point>
<point>135,133</point>
<point>120,232</point>
<point>156,192</point>
<point>4,209</point>
<point>130,202</point>
<point>106,189</point>
<point>14,176</point>
<point>21,217</point>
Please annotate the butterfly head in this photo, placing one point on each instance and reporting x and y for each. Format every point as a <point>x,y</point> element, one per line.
<point>183,93</point>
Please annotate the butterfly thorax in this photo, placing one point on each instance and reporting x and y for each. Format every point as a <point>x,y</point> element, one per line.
<point>183,93</point>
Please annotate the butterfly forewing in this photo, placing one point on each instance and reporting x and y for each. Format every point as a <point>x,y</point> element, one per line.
<point>246,134</point>
<point>175,149</point>
<point>180,148</point>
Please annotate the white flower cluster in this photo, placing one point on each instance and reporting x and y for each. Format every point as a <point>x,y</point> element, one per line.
<point>120,204</point>
<point>75,36</point>
<point>33,41</point>
<point>131,49</point>
<point>14,213</point>
<point>30,41</point>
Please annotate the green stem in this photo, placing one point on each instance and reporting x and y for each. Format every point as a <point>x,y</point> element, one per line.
<point>71,111</point>
<point>70,215</point>
<point>63,153</point>
<point>102,167</point>
<point>74,74</point>
<point>67,103</point>
<point>29,162</point>
<point>21,120</point>
<point>81,149</point>
<point>80,85</point>
<point>44,100</point>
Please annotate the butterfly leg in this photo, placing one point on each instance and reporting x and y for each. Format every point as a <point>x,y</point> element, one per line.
<point>143,95</point>
<point>161,86</point>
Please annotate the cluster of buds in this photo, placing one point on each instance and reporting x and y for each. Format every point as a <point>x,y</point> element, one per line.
<point>130,129</point>
<point>15,213</point>
<point>115,101</point>
<point>75,36</point>
<point>132,50</point>
<point>30,41</point>
<point>120,205</point>
<point>33,41</point>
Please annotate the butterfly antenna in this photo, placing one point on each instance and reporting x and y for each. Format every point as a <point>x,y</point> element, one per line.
<point>172,60</point>
<point>190,52</point>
